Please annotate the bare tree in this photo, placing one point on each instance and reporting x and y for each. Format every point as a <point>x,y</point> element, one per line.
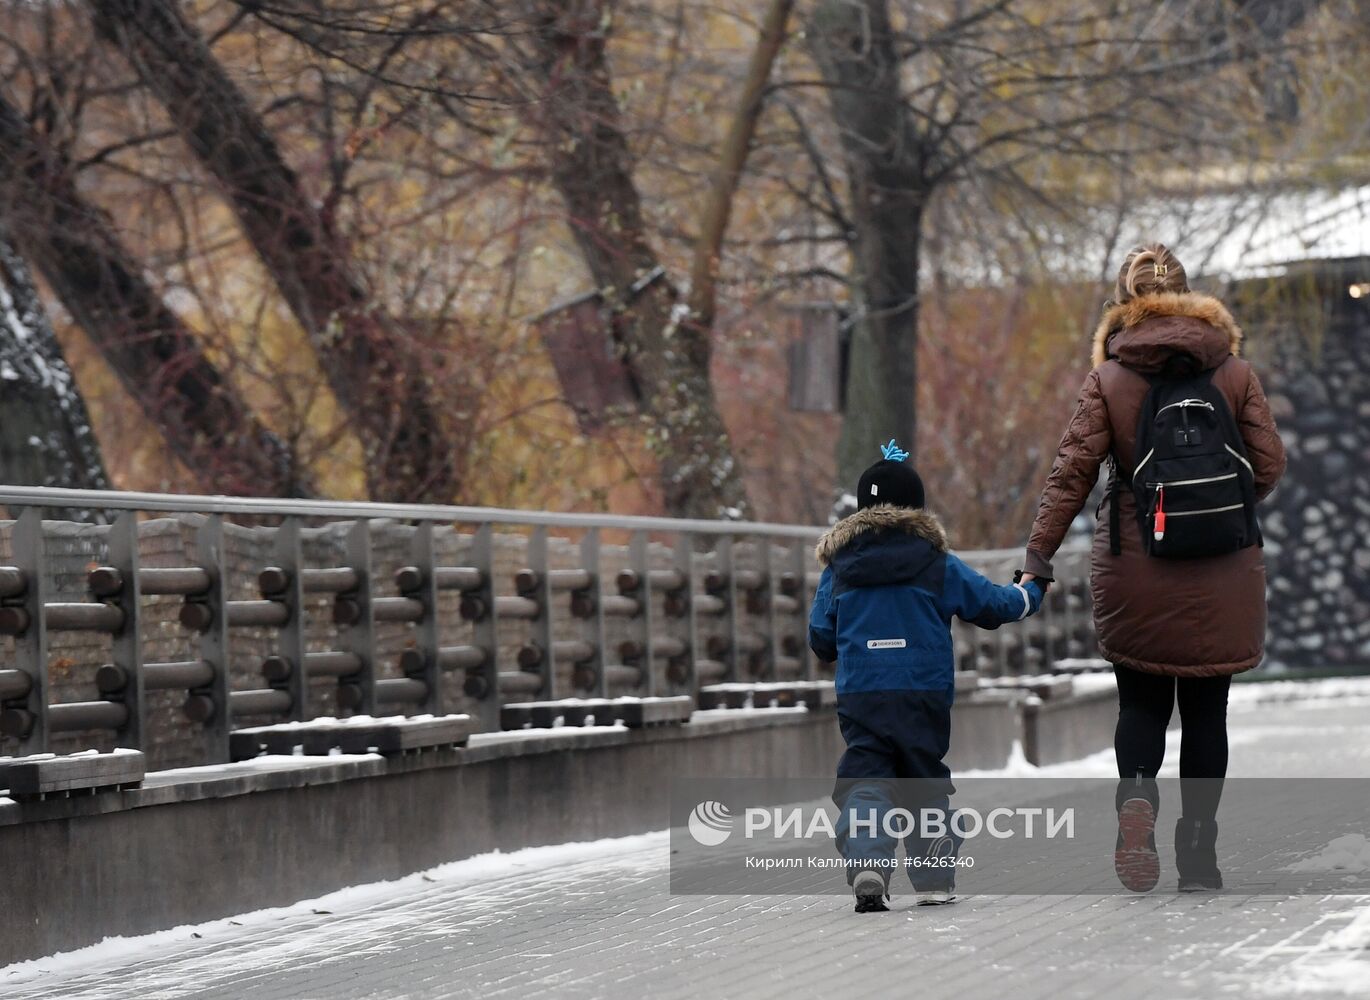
<point>889,184</point>
<point>157,357</point>
<point>578,119</point>
<point>45,433</point>
<point>1014,115</point>
<point>376,367</point>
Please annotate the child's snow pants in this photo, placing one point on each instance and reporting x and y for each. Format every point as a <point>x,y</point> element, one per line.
<point>895,744</point>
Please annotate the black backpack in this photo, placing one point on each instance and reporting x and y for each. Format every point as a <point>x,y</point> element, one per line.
<point>1193,483</point>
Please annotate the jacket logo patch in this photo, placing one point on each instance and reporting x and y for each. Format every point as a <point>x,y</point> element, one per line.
<point>885,643</point>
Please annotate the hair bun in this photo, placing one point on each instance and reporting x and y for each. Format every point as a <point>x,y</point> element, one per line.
<point>1149,269</point>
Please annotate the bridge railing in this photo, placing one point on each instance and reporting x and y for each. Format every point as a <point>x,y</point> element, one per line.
<point>187,617</point>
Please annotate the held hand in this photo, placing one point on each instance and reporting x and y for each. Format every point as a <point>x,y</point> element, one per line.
<point>1026,578</point>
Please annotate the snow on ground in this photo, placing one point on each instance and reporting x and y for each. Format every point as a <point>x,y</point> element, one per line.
<point>1322,689</point>
<point>1347,853</point>
<point>649,848</point>
<point>483,869</point>
<point>1334,964</point>
<point>595,919</point>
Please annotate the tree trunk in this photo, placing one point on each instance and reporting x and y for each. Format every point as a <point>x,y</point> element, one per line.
<point>732,158</point>
<point>592,168</point>
<point>853,43</point>
<point>373,366</point>
<point>205,422</point>
<point>45,433</point>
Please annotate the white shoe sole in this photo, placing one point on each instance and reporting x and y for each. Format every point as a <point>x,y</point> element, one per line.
<point>868,884</point>
<point>934,898</point>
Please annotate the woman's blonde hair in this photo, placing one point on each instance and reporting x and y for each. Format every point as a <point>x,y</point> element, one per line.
<point>1149,269</point>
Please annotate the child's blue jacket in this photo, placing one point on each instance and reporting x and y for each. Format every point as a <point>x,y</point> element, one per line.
<point>888,593</point>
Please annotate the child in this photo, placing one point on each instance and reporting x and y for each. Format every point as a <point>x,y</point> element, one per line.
<point>883,611</point>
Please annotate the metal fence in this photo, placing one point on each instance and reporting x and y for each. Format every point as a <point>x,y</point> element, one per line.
<point>188,616</point>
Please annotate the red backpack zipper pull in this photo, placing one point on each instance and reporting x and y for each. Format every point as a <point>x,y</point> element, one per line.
<point>1158,531</point>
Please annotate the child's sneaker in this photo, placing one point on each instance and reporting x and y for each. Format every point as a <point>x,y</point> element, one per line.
<point>1135,860</point>
<point>869,889</point>
<point>934,897</point>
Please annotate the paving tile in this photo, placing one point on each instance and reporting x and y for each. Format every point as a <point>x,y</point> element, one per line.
<point>607,926</point>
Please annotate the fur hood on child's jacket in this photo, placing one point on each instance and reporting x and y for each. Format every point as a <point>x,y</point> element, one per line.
<point>903,520</point>
<point>888,593</point>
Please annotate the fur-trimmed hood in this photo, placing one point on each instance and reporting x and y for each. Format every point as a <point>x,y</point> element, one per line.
<point>904,520</point>
<point>1139,331</point>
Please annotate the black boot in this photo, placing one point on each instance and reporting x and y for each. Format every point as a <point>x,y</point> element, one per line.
<point>1196,855</point>
<point>1135,860</point>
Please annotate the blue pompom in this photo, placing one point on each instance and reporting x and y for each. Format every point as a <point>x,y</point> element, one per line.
<point>893,452</point>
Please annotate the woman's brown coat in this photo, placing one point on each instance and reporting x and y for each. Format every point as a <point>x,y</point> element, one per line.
<point>1184,617</point>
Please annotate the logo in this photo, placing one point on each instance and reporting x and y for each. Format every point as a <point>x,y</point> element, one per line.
<point>886,644</point>
<point>710,823</point>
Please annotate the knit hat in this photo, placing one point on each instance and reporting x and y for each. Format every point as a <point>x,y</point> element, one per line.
<point>890,481</point>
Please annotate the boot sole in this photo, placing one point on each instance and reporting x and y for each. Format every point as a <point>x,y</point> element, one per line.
<point>1135,861</point>
<point>868,884</point>
<point>1193,887</point>
<point>935,899</point>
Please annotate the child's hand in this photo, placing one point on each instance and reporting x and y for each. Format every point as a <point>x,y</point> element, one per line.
<point>1026,578</point>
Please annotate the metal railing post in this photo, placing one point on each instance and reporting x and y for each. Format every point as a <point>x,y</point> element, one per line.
<point>126,649</point>
<point>360,636</point>
<point>723,554</point>
<point>770,587</point>
<point>593,627</point>
<point>642,625</point>
<point>543,626</point>
<point>209,551</point>
<point>485,629</point>
<point>31,645</point>
<point>1067,613</point>
<point>426,629</point>
<point>685,563</point>
<point>291,637</point>
<point>799,560</point>
<point>1048,616</point>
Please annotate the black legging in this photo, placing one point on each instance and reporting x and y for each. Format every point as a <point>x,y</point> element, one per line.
<point>1144,705</point>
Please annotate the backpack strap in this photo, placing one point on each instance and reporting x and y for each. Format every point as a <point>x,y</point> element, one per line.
<point>1119,480</point>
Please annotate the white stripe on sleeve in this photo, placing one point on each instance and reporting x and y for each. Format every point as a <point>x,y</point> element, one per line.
<point>1027,601</point>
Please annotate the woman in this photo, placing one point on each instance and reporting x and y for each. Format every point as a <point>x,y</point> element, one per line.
<point>1172,628</point>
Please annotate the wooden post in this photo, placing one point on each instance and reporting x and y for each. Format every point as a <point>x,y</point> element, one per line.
<point>31,646</point>
<point>126,649</point>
